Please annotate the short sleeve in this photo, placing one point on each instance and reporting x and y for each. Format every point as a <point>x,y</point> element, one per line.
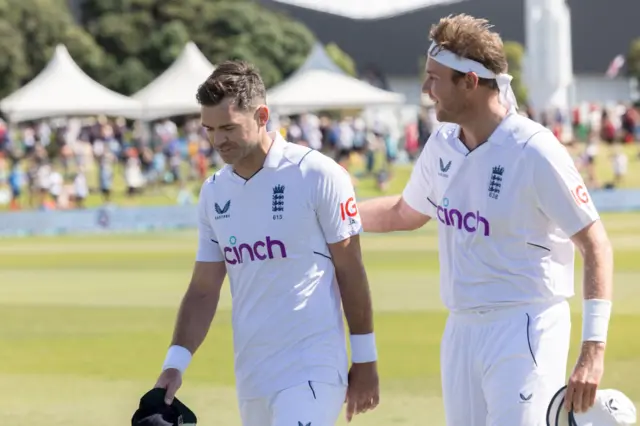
<point>208,248</point>
<point>418,193</point>
<point>559,189</point>
<point>335,202</point>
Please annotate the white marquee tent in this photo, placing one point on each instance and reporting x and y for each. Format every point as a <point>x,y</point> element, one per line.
<point>174,91</point>
<point>63,89</point>
<point>318,86</point>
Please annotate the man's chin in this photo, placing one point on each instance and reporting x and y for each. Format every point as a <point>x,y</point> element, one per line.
<point>442,116</point>
<point>445,116</point>
<point>228,158</point>
<point>229,161</point>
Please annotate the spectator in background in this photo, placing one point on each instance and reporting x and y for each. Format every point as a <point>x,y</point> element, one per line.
<point>106,164</point>
<point>310,126</point>
<point>424,128</point>
<point>16,183</point>
<point>589,157</point>
<point>344,145</point>
<point>158,167</point>
<point>607,128</point>
<point>629,121</point>
<point>620,162</point>
<point>294,132</point>
<point>133,172</point>
<point>56,182</point>
<point>411,142</point>
<point>81,189</point>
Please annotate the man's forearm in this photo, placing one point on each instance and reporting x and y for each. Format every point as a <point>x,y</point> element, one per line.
<point>598,271</point>
<point>597,291</point>
<point>194,319</point>
<point>379,214</point>
<point>356,298</point>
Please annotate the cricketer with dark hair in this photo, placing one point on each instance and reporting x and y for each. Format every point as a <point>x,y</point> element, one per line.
<point>281,220</point>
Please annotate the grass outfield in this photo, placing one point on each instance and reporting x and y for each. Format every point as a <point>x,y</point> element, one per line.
<point>85,322</point>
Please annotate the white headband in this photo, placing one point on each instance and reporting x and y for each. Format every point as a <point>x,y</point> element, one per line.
<point>464,65</point>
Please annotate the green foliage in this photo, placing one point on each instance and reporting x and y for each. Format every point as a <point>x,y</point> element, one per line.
<point>143,37</point>
<point>124,44</point>
<point>341,58</point>
<point>633,58</point>
<point>29,32</point>
<point>515,54</point>
<point>13,61</point>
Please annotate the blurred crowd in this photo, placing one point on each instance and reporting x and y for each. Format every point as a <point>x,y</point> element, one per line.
<point>604,132</point>
<point>57,164</point>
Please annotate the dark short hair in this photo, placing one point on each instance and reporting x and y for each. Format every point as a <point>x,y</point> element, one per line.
<point>238,80</point>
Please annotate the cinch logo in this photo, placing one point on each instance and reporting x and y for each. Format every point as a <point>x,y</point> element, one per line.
<point>260,250</point>
<point>348,209</point>
<point>470,221</point>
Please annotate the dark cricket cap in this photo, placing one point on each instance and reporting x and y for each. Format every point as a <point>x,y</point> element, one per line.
<point>153,411</point>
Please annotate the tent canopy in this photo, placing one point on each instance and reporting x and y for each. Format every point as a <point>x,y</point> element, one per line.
<point>318,59</point>
<point>174,91</point>
<point>319,84</point>
<point>63,89</point>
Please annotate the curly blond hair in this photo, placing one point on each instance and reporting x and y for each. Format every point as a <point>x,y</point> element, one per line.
<point>471,38</point>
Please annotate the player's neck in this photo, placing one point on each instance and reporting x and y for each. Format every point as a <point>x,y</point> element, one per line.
<point>481,124</point>
<point>254,161</point>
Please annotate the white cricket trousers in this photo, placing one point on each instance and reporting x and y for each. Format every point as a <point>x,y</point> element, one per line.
<point>502,367</point>
<point>310,403</point>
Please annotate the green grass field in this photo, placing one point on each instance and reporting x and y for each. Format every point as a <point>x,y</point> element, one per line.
<point>85,322</point>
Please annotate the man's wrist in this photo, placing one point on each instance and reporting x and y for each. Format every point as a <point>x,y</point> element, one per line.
<point>363,348</point>
<point>596,314</point>
<point>592,346</point>
<point>178,357</point>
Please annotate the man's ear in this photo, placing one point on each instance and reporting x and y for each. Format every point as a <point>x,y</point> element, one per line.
<point>262,115</point>
<point>471,80</point>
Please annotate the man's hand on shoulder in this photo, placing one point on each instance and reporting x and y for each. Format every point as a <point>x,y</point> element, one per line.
<point>391,213</point>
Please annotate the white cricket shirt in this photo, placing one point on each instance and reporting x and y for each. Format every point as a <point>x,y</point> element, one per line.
<point>272,232</point>
<point>505,210</point>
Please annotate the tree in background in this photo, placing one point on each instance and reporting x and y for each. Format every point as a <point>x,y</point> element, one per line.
<point>29,32</point>
<point>633,59</point>
<point>515,54</point>
<point>143,37</point>
<point>13,61</point>
<point>341,59</point>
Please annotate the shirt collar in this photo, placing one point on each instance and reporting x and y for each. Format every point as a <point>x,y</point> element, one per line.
<point>504,129</point>
<point>276,151</point>
<point>500,134</point>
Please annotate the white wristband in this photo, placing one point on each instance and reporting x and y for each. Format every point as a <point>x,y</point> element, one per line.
<point>363,348</point>
<point>178,357</point>
<point>595,320</point>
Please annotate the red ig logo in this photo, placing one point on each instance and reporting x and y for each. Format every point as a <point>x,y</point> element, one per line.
<point>348,209</point>
<point>580,195</point>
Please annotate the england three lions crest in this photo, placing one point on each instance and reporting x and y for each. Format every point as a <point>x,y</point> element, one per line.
<point>495,182</point>
<point>277,204</point>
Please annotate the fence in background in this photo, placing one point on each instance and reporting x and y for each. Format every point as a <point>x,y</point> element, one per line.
<point>132,219</point>
<point>100,220</point>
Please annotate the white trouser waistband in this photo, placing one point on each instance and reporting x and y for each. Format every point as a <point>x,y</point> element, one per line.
<point>483,316</point>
